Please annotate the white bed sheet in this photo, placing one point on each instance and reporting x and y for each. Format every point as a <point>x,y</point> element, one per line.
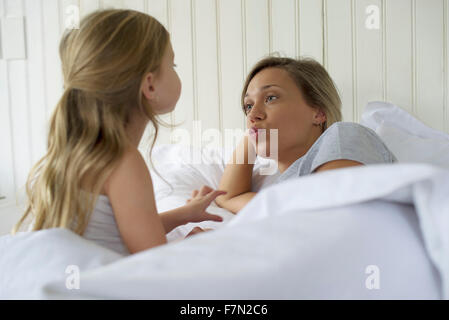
<point>308,238</point>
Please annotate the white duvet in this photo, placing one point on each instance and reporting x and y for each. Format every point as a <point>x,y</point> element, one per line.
<point>371,232</point>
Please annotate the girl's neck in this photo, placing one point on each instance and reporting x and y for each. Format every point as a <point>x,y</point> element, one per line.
<point>136,128</point>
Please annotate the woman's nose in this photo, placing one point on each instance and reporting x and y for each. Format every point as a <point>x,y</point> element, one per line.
<point>255,114</point>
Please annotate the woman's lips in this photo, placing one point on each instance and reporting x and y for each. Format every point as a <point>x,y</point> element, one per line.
<point>253,132</point>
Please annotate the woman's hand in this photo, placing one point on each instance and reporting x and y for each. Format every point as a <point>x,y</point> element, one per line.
<point>237,176</point>
<point>200,201</point>
<point>246,151</point>
<point>197,230</point>
<point>249,143</point>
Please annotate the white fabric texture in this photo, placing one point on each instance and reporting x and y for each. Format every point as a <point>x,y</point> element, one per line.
<point>307,238</point>
<point>187,168</point>
<point>102,227</point>
<point>409,139</point>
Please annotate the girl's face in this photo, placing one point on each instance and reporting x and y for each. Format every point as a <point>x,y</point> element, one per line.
<point>163,91</point>
<point>273,101</point>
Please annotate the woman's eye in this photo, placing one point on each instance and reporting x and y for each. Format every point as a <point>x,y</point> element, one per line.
<point>268,97</point>
<point>247,107</point>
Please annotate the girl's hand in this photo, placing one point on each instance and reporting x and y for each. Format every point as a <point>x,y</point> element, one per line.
<point>200,201</point>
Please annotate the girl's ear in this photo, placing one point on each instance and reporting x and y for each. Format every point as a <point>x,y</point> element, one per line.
<point>147,88</point>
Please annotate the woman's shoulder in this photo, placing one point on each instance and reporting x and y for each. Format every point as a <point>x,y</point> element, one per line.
<point>351,128</point>
<point>348,133</point>
<point>350,139</point>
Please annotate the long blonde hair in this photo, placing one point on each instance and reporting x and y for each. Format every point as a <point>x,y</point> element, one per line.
<point>103,63</point>
<point>312,79</point>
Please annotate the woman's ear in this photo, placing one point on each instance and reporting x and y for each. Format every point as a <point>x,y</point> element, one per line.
<point>320,116</point>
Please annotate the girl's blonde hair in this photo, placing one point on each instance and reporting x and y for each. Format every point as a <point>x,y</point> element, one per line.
<point>311,78</point>
<point>104,63</point>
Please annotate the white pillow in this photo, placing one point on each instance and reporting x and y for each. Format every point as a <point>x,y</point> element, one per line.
<point>186,168</point>
<point>410,140</point>
<point>378,112</point>
<point>410,148</point>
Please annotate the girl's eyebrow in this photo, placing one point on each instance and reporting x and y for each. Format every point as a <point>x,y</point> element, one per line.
<point>265,88</point>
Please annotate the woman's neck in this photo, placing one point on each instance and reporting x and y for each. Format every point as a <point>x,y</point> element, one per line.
<point>288,157</point>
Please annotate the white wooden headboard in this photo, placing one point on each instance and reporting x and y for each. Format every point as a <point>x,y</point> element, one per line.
<point>392,50</point>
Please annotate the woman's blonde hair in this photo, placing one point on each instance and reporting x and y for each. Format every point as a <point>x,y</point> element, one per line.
<point>312,79</point>
<point>104,63</point>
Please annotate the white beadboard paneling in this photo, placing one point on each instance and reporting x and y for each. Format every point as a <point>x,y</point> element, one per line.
<point>182,41</point>
<point>257,31</point>
<point>52,63</point>
<point>9,216</point>
<point>206,62</point>
<point>231,63</point>
<point>429,62</point>
<point>19,112</point>
<point>13,8</point>
<point>446,69</point>
<point>20,122</point>
<point>138,5</point>
<point>159,10</point>
<point>311,29</point>
<point>112,4</point>
<point>67,10</point>
<point>283,27</point>
<point>35,80</point>
<point>369,57</point>
<point>7,183</point>
<point>88,6</point>
<point>399,53</point>
<point>339,47</point>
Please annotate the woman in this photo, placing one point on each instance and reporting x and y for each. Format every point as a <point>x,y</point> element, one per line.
<point>298,98</point>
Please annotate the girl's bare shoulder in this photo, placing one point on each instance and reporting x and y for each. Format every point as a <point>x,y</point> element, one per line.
<point>132,164</point>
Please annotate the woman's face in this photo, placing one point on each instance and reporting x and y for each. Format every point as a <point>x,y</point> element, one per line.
<point>163,91</point>
<point>273,101</point>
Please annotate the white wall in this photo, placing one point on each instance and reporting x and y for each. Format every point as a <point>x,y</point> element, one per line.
<point>216,42</point>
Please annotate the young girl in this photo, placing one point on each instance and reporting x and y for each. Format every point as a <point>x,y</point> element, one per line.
<point>119,75</point>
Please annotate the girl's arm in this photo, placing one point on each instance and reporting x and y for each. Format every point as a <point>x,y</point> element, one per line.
<point>174,218</point>
<point>237,176</point>
<point>193,211</point>
<point>130,191</point>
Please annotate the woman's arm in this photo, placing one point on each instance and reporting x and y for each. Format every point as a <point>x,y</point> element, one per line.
<point>237,176</point>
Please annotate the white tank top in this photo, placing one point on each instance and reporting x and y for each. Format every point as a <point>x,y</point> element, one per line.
<point>102,227</point>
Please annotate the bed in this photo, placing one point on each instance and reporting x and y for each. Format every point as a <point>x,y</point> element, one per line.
<point>369,232</point>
